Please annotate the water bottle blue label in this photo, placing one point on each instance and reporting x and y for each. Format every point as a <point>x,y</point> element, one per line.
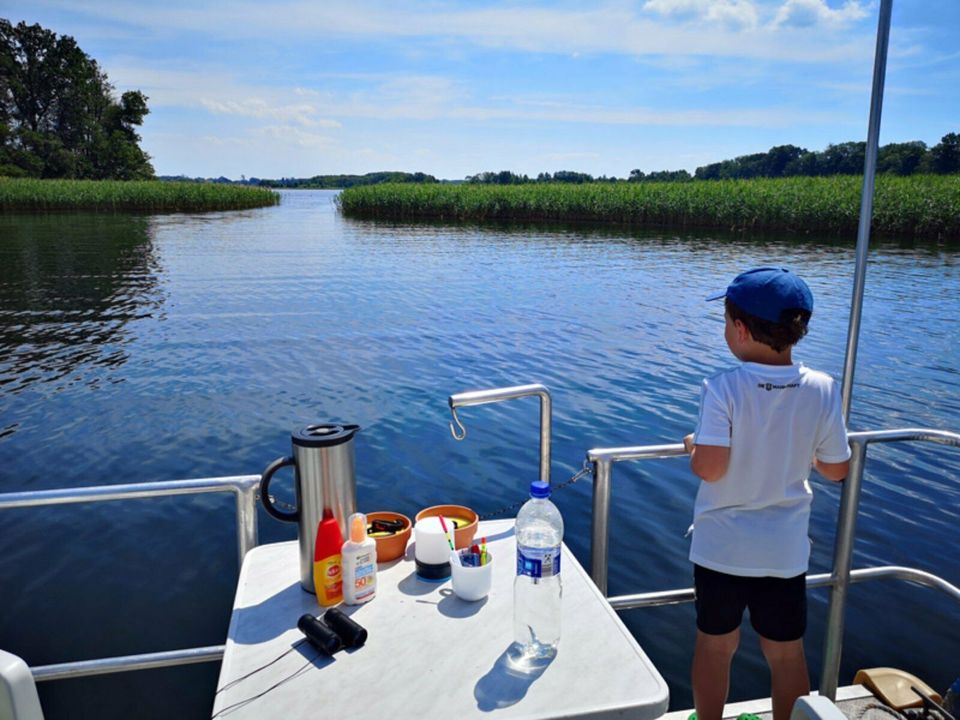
<point>538,562</point>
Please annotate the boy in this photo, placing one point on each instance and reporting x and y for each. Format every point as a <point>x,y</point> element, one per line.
<point>761,427</point>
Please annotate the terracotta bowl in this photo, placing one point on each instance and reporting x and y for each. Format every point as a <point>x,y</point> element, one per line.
<point>466,520</point>
<point>391,547</point>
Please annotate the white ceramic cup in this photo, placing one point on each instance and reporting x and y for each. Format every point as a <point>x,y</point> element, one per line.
<point>431,546</point>
<point>472,582</point>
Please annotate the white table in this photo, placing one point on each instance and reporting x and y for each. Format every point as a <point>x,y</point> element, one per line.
<point>428,654</point>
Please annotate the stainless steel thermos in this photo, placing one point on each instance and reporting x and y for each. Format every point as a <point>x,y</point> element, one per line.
<point>325,477</point>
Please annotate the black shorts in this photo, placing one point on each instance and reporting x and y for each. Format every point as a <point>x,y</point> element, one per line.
<point>778,606</point>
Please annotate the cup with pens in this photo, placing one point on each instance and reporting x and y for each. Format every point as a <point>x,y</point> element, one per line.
<point>472,570</point>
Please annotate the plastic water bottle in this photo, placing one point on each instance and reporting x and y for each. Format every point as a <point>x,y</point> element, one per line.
<point>537,589</point>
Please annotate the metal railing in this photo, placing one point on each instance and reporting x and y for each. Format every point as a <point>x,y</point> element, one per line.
<point>838,580</point>
<point>244,489</point>
<point>484,397</point>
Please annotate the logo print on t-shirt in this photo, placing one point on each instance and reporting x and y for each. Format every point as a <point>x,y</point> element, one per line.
<point>772,386</point>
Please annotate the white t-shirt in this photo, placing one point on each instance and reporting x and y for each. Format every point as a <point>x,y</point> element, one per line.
<point>775,419</point>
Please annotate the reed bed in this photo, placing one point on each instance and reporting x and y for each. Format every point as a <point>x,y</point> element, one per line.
<point>138,196</point>
<point>919,205</point>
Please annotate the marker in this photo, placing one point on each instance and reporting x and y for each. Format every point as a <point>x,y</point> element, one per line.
<point>446,532</point>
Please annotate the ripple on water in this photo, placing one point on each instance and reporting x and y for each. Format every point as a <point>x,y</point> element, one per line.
<point>137,348</point>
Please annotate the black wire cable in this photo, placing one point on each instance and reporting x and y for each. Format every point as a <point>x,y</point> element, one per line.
<point>233,682</point>
<point>237,705</point>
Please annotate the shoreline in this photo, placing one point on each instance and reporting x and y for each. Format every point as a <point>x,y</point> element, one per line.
<point>926,206</point>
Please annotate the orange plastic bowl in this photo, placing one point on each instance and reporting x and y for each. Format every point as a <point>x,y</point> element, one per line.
<point>391,547</point>
<point>465,518</point>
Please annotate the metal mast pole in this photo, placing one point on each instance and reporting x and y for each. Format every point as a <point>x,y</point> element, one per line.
<point>866,203</point>
<point>843,548</point>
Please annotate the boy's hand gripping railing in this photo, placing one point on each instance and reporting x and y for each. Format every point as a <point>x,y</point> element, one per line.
<point>482,397</point>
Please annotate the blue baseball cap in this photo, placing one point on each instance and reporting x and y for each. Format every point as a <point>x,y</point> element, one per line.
<point>766,292</point>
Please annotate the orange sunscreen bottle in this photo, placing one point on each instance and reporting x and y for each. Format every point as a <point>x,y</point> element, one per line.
<point>359,563</point>
<point>327,568</point>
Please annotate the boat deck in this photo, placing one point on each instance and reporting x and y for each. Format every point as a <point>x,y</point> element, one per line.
<point>854,701</point>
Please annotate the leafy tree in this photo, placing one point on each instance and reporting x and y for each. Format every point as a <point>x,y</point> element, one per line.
<point>58,115</point>
<point>779,158</point>
<point>568,176</point>
<point>901,158</point>
<point>504,177</point>
<point>945,156</point>
<point>843,159</point>
<point>668,176</point>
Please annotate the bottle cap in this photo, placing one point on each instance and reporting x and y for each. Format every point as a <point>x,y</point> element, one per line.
<point>539,489</point>
<point>358,528</point>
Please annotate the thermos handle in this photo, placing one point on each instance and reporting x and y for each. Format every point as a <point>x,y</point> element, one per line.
<point>265,491</point>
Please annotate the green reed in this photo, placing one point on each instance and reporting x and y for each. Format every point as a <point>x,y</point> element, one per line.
<point>919,205</point>
<point>147,195</point>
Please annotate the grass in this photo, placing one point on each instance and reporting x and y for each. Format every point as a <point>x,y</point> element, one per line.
<point>109,195</point>
<point>918,206</point>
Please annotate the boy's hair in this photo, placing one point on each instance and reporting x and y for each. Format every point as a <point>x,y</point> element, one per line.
<point>777,335</point>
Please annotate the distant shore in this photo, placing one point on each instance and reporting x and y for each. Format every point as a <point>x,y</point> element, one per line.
<point>926,206</point>
<point>28,194</point>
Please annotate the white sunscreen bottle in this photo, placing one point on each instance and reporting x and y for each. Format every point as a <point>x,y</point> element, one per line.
<point>359,560</point>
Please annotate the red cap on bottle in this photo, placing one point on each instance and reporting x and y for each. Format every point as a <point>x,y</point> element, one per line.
<point>329,537</point>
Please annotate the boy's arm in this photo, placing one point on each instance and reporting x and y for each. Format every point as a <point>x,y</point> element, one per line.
<point>832,471</point>
<point>832,442</point>
<point>708,462</point>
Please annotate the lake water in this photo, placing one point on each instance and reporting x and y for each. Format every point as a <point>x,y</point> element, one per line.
<point>140,348</point>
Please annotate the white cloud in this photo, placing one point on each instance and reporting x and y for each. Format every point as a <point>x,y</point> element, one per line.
<point>733,13</point>
<point>725,28</point>
<point>292,135</point>
<point>816,13</point>
<point>259,108</point>
<point>221,141</point>
<point>418,97</point>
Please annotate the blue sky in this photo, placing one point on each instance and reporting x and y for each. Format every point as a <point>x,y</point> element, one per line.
<point>305,87</point>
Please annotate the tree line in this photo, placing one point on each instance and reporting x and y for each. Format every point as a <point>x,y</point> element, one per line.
<point>343,181</point>
<point>909,158</point>
<point>59,117</point>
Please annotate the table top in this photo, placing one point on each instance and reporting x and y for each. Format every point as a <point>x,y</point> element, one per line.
<point>428,652</point>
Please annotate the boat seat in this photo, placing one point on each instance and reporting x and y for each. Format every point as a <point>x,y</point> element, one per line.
<point>815,707</point>
<point>895,687</point>
<point>18,692</point>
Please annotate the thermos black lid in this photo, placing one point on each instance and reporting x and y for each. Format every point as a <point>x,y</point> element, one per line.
<point>324,435</point>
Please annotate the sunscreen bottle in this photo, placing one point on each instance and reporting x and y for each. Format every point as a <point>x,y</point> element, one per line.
<point>327,572</point>
<point>359,557</point>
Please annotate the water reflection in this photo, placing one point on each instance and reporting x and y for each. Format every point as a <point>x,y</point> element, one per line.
<point>70,285</point>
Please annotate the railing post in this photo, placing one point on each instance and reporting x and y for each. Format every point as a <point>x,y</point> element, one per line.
<point>840,577</point>
<point>246,519</point>
<point>599,536</point>
<point>546,432</point>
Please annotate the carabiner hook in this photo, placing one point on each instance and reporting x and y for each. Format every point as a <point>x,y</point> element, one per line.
<point>453,431</point>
